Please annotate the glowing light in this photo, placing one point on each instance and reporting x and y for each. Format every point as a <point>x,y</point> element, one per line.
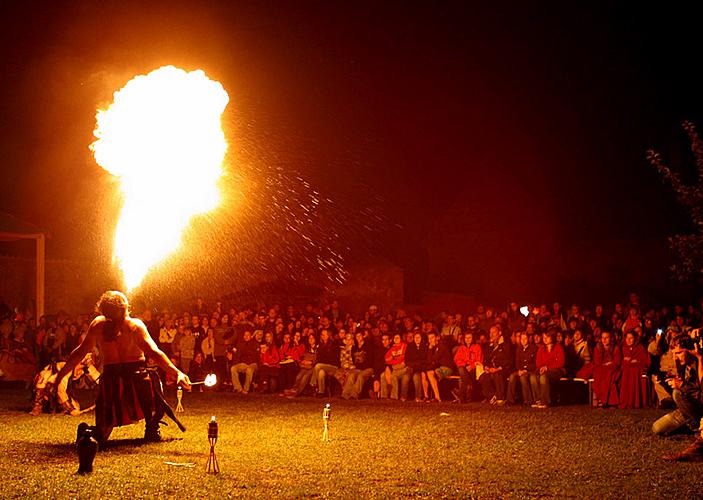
<point>162,138</point>
<point>525,311</point>
<point>210,380</point>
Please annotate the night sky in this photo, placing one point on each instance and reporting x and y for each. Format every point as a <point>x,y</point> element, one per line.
<point>426,122</point>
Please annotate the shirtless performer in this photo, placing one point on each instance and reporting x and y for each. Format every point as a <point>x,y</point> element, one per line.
<point>128,390</point>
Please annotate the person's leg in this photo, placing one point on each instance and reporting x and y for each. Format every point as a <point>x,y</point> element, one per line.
<point>236,370</point>
<point>396,375</point>
<point>432,379</point>
<point>553,377</point>
<point>690,408</point>
<point>534,385</point>
<point>527,396</point>
<point>499,384</point>
<point>250,370</point>
<point>669,423</point>
<point>315,370</point>
<point>417,385</point>
<point>512,387</point>
<point>487,386</point>
<point>425,386</point>
<point>385,386</point>
<point>543,388</point>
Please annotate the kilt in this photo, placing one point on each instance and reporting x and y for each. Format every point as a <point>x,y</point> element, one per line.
<point>128,393</point>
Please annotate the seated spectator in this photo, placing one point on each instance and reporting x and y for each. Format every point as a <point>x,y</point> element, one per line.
<point>290,353</point>
<point>327,361</point>
<point>635,362</point>
<point>606,371</point>
<point>395,371</point>
<point>496,368</point>
<point>308,360</point>
<point>578,357</point>
<point>269,366</point>
<point>466,359</point>
<point>363,354</point>
<point>550,368</point>
<point>525,374</point>
<point>439,358</point>
<point>246,361</point>
<point>197,370</point>
<point>346,374</point>
<point>417,364</point>
<point>381,371</point>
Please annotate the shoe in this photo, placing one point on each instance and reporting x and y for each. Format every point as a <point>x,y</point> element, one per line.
<point>493,400</point>
<point>535,404</point>
<point>692,453</point>
<point>542,406</point>
<point>152,434</point>
<point>500,402</point>
<point>455,393</point>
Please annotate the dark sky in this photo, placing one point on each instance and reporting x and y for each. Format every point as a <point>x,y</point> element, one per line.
<point>530,120</point>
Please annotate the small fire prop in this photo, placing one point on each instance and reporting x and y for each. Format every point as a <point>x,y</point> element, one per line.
<point>326,416</point>
<point>210,381</point>
<point>162,139</point>
<point>212,466</point>
<point>179,396</point>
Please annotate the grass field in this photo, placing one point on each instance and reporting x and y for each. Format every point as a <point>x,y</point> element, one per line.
<point>271,447</point>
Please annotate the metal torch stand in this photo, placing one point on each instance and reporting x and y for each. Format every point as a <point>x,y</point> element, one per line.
<point>179,406</point>
<point>212,466</point>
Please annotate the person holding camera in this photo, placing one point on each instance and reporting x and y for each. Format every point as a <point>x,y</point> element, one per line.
<point>686,393</point>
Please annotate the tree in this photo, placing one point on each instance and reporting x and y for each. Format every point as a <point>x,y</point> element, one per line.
<point>688,248</point>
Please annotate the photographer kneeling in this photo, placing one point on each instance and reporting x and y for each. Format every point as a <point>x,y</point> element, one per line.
<point>686,393</point>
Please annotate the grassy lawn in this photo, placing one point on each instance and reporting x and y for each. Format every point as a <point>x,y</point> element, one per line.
<point>271,447</point>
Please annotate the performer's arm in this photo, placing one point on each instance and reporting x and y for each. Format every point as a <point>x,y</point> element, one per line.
<point>86,346</point>
<point>151,350</point>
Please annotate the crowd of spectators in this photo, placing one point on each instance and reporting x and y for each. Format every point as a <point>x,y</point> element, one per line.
<point>501,357</point>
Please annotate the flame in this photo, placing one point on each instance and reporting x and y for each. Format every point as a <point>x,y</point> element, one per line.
<point>162,138</point>
<point>210,380</point>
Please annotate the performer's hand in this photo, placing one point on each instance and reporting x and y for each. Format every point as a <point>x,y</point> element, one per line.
<point>183,380</point>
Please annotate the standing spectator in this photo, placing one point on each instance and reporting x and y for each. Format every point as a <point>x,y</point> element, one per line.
<point>526,366</point>
<point>550,368</point>
<point>496,368</point>
<point>186,347</point>
<point>167,334</point>
<point>635,362</point>
<point>207,347</point>
<point>466,358</point>
<point>450,331</point>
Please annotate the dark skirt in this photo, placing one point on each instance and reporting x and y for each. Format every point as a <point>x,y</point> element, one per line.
<point>128,393</point>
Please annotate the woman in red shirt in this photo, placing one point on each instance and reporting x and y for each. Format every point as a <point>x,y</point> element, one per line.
<point>466,358</point>
<point>550,368</point>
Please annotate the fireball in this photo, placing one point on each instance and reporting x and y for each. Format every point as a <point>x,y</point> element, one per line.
<point>162,139</point>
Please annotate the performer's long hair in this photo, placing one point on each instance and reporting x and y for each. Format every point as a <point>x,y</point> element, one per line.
<point>115,307</point>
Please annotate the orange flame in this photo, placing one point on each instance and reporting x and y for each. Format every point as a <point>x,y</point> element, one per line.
<point>162,138</point>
